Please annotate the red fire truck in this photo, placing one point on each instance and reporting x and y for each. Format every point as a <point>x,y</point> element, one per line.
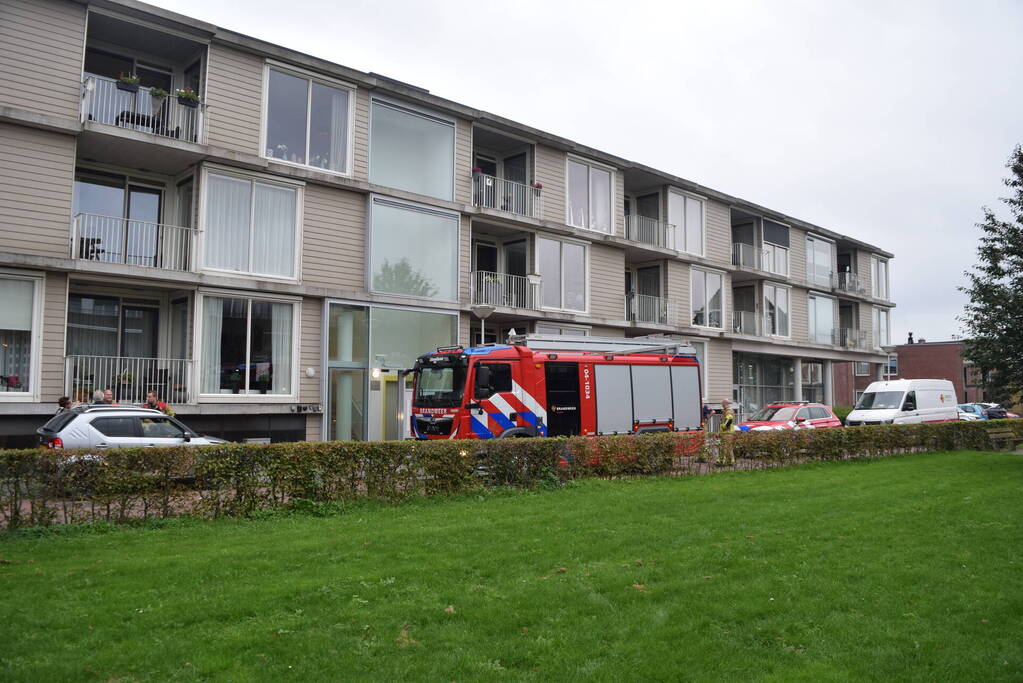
<point>557,386</point>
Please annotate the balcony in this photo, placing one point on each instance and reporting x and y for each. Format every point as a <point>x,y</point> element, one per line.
<point>130,379</point>
<point>747,322</point>
<point>852,339</point>
<point>641,308</point>
<point>650,231</point>
<point>748,256</point>
<point>502,289</point>
<point>849,283</point>
<point>105,100</point>
<point>505,195</point>
<point>131,242</point>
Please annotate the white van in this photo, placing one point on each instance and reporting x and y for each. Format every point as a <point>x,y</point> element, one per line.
<point>905,401</point>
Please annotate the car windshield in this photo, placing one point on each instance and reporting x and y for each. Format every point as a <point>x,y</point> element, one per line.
<point>880,400</point>
<point>439,383</point>
<point>775,414</point>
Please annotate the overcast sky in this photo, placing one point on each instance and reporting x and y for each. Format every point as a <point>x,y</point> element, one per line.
<point>886,121</point>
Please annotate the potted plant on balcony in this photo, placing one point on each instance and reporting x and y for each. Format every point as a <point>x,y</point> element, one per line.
<point>158,95</point>
<point>187,97</point>
<point>128,82</point>
<point>263,383</point>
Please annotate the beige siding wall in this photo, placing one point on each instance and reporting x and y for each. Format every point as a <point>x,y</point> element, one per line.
<point>360,136</point>
<point>41,47</point>
<point>464,321</point>
<point>234,99</point>
<point>54,318</point>
<point>863,260</point>
<point>798,316</point>
<point>719,370</point>
<point>607,332</point>
<point>550,172</point>
<point>463,161</point>
<point>314,427</point>
<point>607,282</point>
<point>677,288</point>
<point>718,233</point>
<point>867,322</point>
<point>797,255</point>
<point>618,210</point>
<point>36,177</point>
<point>334,238</point>
<point>310,351</point>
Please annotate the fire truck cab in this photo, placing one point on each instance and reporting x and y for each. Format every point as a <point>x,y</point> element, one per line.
<point>540,385</point>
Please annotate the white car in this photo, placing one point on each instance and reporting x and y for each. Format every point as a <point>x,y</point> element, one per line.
<point>968,417</point>
<point>108,426</point>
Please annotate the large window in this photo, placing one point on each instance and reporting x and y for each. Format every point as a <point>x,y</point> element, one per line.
<point>250,226</point>
<point>881,337</point>
<point>879,277</point>
<point>307,122</point>
<point>818,261</point>
<point>413,251</point>
<point>776,310</point>
<point>686,214</point>
<point>821,319</point>
<point>18,323</point>
<point>589,196</point>
<point>861,369</point>
<point>707,298</point>
<point>247,346</point>
<point>776,259</point>
<point>412,151</point>
<point>563,269</point>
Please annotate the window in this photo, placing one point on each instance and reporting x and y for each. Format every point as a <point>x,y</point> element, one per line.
<point>701,358</point>
<point>686,214</point>
<point>562,266</point>
<point>413,251</point>
<point>563,329</point>
<point>706,299</point>
<point>856,397</point>
<point>161,428</point>
<point>776,259</point>
<point>247,346</point>
<point>893,365</point>
<point>500,380</point>
<point>821,319</point>
<point>818,413</point>
<point>589,195</point>
<point>818,261</point>
<point>116,426</point>
<point>307,122</point>
<point>776,310</point>
<point>250,226</point>
<point>881,337</point>
<point>879,277</point>
<point>412,151</point>
<point>861,369</point>
<point>18,335</point>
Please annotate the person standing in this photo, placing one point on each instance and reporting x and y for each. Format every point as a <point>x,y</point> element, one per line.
<point>108,397</point>
<point>64,404</point>
<point>98,397</point>
<point>153,402</point>
<point>726,456</point>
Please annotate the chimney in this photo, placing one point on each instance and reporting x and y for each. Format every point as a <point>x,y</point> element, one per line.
<point>922,341</point>
<point>910,340</point>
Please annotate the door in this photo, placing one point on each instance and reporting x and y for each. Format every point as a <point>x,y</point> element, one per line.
<point>142,236</point>
<point>648,211</point>
<point>516,262</point>
<point>161,431</point>
<point>488,283</point>
<point>115,432</point>
<point>562,399</point>
<point>484,187</point>
<point>346,405</point>
<point>648,301</point>
<point>516,192</point>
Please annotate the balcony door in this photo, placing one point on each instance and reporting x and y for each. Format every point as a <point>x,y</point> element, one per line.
<point>501,268</point>
<point>116,220</point>
<point>643,287</point>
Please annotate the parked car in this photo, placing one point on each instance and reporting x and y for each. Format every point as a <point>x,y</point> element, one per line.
<point>906,401</point>
<point>994,411</point>
<point>107,426</point>
<point>798,415</point>
<point>968,416</point>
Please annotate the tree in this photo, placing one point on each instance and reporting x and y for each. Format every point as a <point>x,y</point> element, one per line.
<point>402,278</point>
<point>994,317</point>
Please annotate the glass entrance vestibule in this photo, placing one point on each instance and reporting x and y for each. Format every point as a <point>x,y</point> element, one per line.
<point>761,379</point>
<point>366,348</point>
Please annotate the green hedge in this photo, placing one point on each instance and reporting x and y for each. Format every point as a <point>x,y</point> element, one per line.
<point>39,487</point>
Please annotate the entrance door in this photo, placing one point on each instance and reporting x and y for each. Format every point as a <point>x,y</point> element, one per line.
<point>138,331</point>
<point>562,399</point>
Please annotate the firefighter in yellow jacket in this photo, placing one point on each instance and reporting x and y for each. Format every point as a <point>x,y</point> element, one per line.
<point>726,456</point>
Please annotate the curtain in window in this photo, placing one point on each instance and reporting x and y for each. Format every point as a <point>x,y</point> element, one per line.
<point>280,348</point>
<point>92,326</point>
<point>227,223</point>
<point>273,231</point>
<point>212,324</point>
<point>16,306</point>
<point>328,128</point>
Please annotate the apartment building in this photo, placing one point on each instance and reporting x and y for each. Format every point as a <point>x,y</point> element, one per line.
<point>268,250</point>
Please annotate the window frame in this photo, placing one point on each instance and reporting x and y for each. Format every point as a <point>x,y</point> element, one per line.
<point>310,76</point>
<point>680,233</point>
<point>35,343</point>
<point>878,342</point>
<point>810,298</point>
<point>832,248</point>
<point>706,303</point>
<point>586,272</point>
<point>197,350</point>
<point>763,303</point>
<point>414,110</point>
<point>252,177</point>
<point>575,330</point>
<point>861,364</point>
<point>704,374</point>
<point>875,267</point>
<point>613,212</point>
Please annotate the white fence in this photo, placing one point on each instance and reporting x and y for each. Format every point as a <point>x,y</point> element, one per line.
<point>748,256</point>
<point>132,242</point>
<point>105,100</point>
<point>747,322</point>
<point>130,379</point>
<point>643,308</point>
<point>501,289</point>
<point>506,195</point>
<point>650,231</point>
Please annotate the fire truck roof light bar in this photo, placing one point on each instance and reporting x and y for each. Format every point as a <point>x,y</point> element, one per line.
<point>653,345</point>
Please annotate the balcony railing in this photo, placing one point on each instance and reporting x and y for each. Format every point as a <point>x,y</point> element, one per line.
<point>132,242</point>
<point>852,339</point>
<point>747,322</point>
<point>848,282</point>
<point>748,256</point>
<point>105,100</point>
<point>506,195</point>
<point>501,289</point>
<point>642,308</point>
<point>130,379</point>
<point>650,231</point>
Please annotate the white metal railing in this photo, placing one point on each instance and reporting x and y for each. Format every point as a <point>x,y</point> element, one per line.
<point>502,289</point>
<point>506,195</point>
<point>650,231</point>
<point>747,322</point>
<point>642,308</point>
<point>851,338</point>
<point>105,100</point>
<point>848,282</point>
<point>132,242</point>
<point>130,379</point>
<point>747,256</point>
<point>823,336</point>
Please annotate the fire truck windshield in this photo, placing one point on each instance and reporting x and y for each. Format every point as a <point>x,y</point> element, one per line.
<point>439,382</point>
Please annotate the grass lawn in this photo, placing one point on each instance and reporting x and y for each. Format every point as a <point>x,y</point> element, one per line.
<point>903,568</point>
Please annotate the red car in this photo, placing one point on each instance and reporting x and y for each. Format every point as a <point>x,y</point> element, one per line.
<point>801,415</point>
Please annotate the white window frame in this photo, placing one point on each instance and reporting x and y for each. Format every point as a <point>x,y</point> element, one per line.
<point>269,65</point>
<point>763,303</point>
<point>809,328</point>
<point>613,214</point>
<point>875,281</point>
<point>680,230</point>
<point>704,374</point>
<point>251,177</point>
<point>831,263</point>
<point>427,114</point>
<point>864,365</point>
<point>586,272</point>
<point>706,303</point>
<point>197,337</point>
<point>878,342</point>
<point>774,249</point>
<point>576,330</point>
<point>35,345</point>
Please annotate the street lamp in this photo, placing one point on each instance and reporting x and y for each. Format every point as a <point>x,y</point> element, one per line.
<point>482,311</point>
